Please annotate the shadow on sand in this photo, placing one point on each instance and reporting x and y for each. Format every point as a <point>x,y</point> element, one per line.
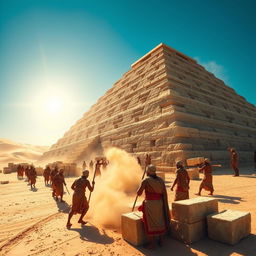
<point>246,246</point>
<point>62,206</point>
<point>34,189</point>
<point>170,247</point>
<point>91,234</point>
<point>229,199</point>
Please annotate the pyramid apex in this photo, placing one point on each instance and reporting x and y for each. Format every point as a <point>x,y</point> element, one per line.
<point>167,48</point>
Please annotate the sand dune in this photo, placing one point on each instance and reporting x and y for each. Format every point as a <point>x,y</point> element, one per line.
<point>13,152</point>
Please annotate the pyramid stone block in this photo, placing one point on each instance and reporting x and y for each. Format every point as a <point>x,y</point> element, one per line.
<point>229,226</point>
<point>195,161</point>
<point>188,233</point>
<point>193,173</point>
<point>194,210</point>
<point>166,105</point>
<point>133,228</point>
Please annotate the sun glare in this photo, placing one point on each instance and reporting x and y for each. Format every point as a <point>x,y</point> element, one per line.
<point>54,105</point>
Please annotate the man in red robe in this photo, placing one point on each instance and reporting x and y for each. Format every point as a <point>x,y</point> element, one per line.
<point>79,200</point>
<point>58,185</point>
<point>32,177</point>
<point>46,175</point>
<point>234,161</point>
<point>156,215</point>
<point>206,183</point>
<point>182,181</point>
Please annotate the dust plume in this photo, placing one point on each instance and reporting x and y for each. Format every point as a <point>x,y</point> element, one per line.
<point>115,189</point>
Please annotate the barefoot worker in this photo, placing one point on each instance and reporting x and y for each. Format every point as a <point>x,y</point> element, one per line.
<point>206,183</point>
<point>182,181</point>
<point>46,175</point>
<point>156,216</point>
<point>79,201</point>
<point>58,185</point>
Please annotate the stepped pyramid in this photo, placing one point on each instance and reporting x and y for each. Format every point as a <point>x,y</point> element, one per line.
<point>166,105</point>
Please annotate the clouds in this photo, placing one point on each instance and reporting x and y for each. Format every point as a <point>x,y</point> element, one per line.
<point>212,66</point>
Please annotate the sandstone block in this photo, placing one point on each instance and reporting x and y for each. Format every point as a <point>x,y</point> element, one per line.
<point>161,175</point>
<point>229,226</point>
<point>7,170</point>
<point>194,210</point>
<point>193,173</point>
<point>188,233</point>
<point>133,228</point>
<point>195,161</point>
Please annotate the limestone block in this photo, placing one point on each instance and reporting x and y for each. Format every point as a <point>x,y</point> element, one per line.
<point>195,161</point>
<point>193,173</point>
<point>161,175</point>
<point>188,233</point>
<point>7,170</point>
<point>133,228</point>
<point>229,226</point>
<point>195,209</point>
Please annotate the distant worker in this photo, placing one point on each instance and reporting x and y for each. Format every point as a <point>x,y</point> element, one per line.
<point>156,216</point>
<point>84,165</point>
<point>91,165</point>
<point>147,160</point>
<point>46,175</point>
<point>97,168</point>
<point>206,183</point>
<point>53,173</point>
<point>19,171</point>
<point>79,200</point>
<point>182,181</point>
<point>33,176</point>
<point>58,185</point>
<point>234,161</point>
<point>105,163</point>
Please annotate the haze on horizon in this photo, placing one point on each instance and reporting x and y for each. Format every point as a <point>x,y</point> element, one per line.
<point>59,57</point>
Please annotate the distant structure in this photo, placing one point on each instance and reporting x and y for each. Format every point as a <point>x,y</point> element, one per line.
<point>166,105</point>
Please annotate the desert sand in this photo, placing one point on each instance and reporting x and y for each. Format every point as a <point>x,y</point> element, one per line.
<point>32,223</point>
<point>13,152</point>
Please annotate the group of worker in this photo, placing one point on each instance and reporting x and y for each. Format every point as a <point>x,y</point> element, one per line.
<point>29,171</point>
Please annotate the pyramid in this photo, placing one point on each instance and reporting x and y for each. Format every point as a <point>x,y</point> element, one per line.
<point>166,105</point>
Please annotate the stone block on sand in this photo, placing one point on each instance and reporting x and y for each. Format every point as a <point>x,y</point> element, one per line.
<point>188,233</point>
<point>193,210</point>
<point>193,173</point>
<point>195,161</point>
<point>229,226</point>
<point>161,175</point>
<point>133,228</point>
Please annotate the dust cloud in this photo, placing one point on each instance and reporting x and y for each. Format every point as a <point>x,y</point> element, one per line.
<point>115,190</point>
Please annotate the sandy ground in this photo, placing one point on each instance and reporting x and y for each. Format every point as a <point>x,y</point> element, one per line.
<point>32,223</point>
<point>13,152</point>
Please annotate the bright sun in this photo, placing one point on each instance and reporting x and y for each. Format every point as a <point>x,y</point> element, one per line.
<point>54,105</point>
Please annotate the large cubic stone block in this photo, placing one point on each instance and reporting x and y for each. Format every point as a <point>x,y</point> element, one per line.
<point>195,209</point>
<point>188,233</point>
<point>195,161</point>
<point>133,228</point>
<point>193,173</point>
<point>229,226</point>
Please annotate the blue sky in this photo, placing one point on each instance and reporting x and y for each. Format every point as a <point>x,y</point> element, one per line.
<point>58,57</point>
